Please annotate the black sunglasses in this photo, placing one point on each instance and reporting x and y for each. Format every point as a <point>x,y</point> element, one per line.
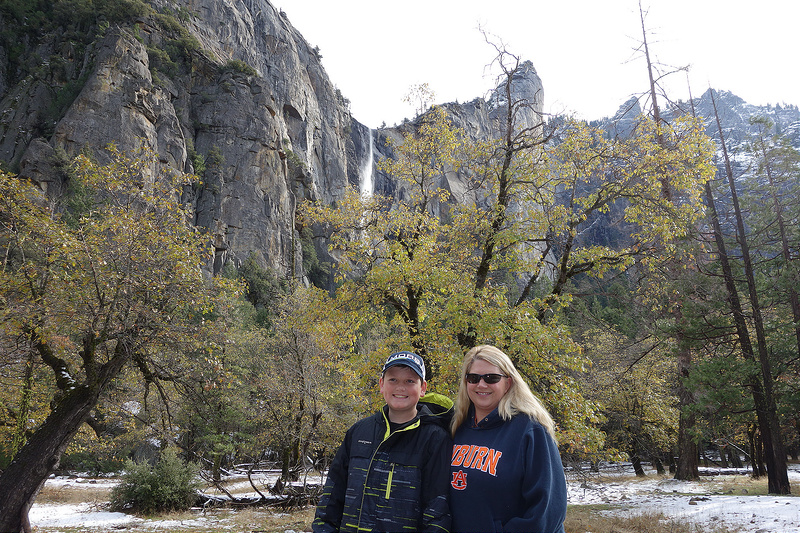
<point>490,379</point>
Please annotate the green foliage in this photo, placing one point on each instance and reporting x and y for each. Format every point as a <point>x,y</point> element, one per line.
<point>317,271</point>
<point>185,14</point>
<point>170,485</point>
<point>37,17</point>
<point>295,160</point>
<point>116,286</point>
<point>215,157</point>
<point>303,400</point>
<point>500,263</point>
<point>183,43</point>
<point>116,11</point>
<point>236,65</point>
<point>160,60</point>
<point>198,161</point>
<point>90,461</point>
<point>632,382</point>
<point>277,389</point>
<point>79,200</point>
<point>263,288</point>
<point>174,55</point>
<point>62,101</point>
<point>416,274</point>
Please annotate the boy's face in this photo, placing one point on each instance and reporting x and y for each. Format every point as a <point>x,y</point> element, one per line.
<point>402,388</point>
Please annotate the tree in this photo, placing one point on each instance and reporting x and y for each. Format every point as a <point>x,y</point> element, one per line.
<point>761,383</point>
<point>632,381</point>
<point>118,284</point>
<point>302,401</point>
<point>413,272</point>
<point>775,184</point>
<point>495,263</point>
<point>770,190</point>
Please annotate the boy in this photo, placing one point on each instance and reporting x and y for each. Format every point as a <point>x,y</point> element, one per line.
<point>392,471</point>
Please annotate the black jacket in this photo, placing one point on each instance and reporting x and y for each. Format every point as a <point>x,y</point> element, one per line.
<point>398,481</point>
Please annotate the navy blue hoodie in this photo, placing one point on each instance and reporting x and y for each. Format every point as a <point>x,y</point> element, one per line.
<point>506,476</point>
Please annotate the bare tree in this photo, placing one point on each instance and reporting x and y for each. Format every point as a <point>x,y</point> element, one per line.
<point>687,463</point>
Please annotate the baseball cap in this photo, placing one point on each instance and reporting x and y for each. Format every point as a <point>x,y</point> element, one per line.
<point>409,359</point>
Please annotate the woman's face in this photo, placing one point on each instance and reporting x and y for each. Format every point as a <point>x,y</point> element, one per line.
<point>485,396</point>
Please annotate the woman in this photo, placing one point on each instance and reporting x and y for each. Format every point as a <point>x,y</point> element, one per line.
<point>506,470</point>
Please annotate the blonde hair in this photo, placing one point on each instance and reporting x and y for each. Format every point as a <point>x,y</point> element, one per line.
<point>518,399</point>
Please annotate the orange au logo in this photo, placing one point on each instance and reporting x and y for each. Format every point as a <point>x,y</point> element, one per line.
<point>459,481</point>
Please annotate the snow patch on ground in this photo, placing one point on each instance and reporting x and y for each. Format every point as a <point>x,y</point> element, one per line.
<point>77,515</point>
<point>698,502</point>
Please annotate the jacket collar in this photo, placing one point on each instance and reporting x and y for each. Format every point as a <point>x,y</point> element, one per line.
<point>491,420</point>
<point>414,422</point>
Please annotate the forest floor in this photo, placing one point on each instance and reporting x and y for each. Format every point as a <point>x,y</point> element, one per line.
<point>613,500</point>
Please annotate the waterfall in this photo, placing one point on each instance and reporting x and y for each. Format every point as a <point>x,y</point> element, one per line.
<point>366,182</point>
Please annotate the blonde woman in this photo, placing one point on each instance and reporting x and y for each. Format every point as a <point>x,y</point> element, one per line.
<point>506,470</point>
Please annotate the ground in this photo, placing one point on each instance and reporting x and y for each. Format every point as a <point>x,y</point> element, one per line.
<point>729,498</point>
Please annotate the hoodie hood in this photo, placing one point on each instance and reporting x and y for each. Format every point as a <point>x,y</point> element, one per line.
<point>436,409</point>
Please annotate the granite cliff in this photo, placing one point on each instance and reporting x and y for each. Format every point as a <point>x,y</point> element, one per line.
<point>227,89</point>
<point>230,87</point>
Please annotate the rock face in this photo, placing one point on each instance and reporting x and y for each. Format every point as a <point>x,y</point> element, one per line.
<point>252,104</point>
<point>244,102</point>
<point>478,120</point>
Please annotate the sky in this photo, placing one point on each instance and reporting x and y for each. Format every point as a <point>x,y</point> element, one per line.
<point>585,51</point>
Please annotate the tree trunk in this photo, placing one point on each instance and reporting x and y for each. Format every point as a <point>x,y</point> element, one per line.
<point>756,453</point>
<point>285,460</point>
<point>636,461</point>
<point>216,468</point>
<point>660,470</point>
<point>24,477</point>
<point>741,331</point>
<point>723,456</point>
<point>39,457</point>
<point>734,457</point>
<point>687,464</point>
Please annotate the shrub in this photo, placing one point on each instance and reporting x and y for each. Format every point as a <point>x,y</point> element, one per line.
<point>236,65</point>
<point>170,485</point>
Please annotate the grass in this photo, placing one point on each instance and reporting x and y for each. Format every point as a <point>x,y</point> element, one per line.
<point>590,519</point>
<point>70,494</point>
<point>744,484</point>
<point>251,520</point>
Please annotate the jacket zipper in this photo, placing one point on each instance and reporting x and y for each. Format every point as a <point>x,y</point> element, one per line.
<point>389,482</point>
<point>391,473</point>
